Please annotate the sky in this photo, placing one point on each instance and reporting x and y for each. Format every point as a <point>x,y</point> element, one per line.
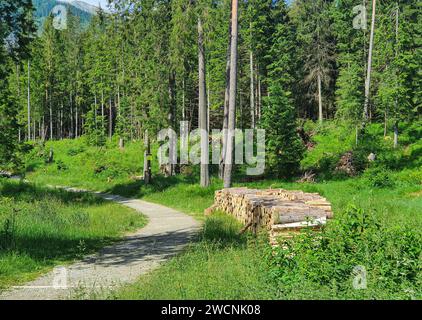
<point>96,2</point>
<point>93,2</point>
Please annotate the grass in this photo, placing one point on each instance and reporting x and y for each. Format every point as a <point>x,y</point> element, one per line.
<point>42,228</point>
<point>222,264</point>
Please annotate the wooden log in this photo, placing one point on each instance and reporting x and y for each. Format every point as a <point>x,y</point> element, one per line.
<point>265,209</point>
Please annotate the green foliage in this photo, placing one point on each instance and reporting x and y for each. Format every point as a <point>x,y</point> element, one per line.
<point>326,260</point>
<point>378,177</point>
<point>94,129</point>
<point>330,141</point>
<point>284,149</point>
<point>61,166</point>
<point>335,139</point>
<point>76,161</point>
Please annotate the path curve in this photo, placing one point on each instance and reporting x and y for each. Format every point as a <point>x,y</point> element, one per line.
<point>166,234</point>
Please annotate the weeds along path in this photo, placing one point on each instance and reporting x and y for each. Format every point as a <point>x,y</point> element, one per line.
<point>167,233</point>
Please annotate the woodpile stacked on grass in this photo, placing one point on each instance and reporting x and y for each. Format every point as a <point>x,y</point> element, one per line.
<point>278,211</point>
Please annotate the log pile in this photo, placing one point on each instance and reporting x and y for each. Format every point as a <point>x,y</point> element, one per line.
<point>276,210</point>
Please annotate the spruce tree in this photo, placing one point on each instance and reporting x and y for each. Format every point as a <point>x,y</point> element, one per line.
<point>284,149</point>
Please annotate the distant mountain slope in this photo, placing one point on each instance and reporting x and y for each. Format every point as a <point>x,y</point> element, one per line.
<point>80,9</point>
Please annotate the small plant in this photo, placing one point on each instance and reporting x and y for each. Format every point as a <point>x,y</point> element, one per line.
<point>75,151</point>
<point>81,248</point>
<point>8,231</point>
<point>61,166</point>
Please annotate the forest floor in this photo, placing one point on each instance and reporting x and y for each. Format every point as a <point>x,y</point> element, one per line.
<point>166,234</point>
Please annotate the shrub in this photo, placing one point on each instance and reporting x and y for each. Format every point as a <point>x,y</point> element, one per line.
<point>61,166</point>
<point>75,151</point>
<point>356,238</point>
<point>378,177</point>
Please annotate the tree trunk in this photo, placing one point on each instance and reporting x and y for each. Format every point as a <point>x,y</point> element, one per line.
<point>61,122</point>
<point>183,101</point>
<point>252,102</point>
<point>259,98</point>
<point>51,118</point>
<point>102,108</point>
<point>71,116</point>
<point>226,111</point>
<point>29,100</point>
<point>320,117</point>
<point>203,112</point>
<point>232,100</point>
<point>396,134</point>
<point>147,160</point>
<point>110,121</point>
<point>369,66</point>
<point>172,116</point>
<point>396,102</point>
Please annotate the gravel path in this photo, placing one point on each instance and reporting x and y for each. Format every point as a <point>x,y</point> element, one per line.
<point>166,234</point>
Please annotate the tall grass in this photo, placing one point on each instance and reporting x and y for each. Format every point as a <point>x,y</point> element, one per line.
<point>40,228</point>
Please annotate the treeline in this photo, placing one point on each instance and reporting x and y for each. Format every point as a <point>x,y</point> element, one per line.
<point>135,69</point>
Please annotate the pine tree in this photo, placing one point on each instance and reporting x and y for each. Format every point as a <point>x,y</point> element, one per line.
<point>316,49</point>
<point>16,32</point>
<point>284,149</point>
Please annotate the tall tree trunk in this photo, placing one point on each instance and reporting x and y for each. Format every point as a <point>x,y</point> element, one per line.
<point>18,96</point>
<point>51,116</point>
<point>61,121</point>
<point>369,66</point>
<point>320,117</point>
<point>203,111</point>
<point>396,102</point>
<point>172,116</point>
<point>226,110</point>
<point>71,116</point>
<point>208,101</point>
<point>183,100</point>
<point>102,108</point>
<point>259,98</point>
<point>252,102</point>
<point>147,160</point>
<point>76,117</point>
<point>110,120</point>
<point>29,100</point>
<point>232,100</point>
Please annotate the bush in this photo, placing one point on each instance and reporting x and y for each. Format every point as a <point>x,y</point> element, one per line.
<point>75,151</point>
<point>378,177</point>
<point>355,240</point>
<point>61,166</point>
<point>331,140</point>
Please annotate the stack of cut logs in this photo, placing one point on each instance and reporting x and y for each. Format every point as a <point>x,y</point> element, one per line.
<point>279,211</point>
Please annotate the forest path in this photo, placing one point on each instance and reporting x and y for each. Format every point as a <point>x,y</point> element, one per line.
<point>166,234</point>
